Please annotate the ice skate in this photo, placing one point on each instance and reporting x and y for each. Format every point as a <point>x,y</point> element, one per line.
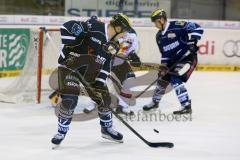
<point>186,110</point>
<point>151,106</point>
<point>89,109</point>
<point>112,135</point>
<point>57,139</point>
<point>124,110</point>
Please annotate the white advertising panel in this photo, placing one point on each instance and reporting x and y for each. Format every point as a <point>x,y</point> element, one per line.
<point>217,46</point>
<point>107,8</point>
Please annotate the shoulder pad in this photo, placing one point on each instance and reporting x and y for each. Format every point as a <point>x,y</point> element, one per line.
<point>180,23</point>
<point>77,29</point>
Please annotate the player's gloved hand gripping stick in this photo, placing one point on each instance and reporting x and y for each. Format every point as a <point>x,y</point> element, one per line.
<point>163,71</point>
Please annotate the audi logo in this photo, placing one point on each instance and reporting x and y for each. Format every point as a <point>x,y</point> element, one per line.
<point>231,48</point>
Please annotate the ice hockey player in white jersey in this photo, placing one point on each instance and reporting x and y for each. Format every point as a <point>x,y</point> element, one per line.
<point>177,42</point>
<point>122,69</point>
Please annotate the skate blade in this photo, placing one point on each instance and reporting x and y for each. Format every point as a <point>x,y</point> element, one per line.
<point>55,146</point>
<point>86,111</point>
<point>126,114</point>
<point>111,139</point>
<point>154,110</point>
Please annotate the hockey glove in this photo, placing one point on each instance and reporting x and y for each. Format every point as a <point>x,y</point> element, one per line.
<point>111,47</point>
<point>181,69</point>
<point>71,58</point>
<point>134,59</point>
<point>192,46</point>
<point>163,70</point>
<point>100,92</point>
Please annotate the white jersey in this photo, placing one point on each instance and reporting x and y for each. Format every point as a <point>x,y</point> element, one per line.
<point>128,43</point>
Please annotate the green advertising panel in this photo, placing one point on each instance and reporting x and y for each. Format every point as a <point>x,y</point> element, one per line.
<point>13,48</point>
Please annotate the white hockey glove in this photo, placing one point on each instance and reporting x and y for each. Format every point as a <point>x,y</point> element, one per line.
<point>181,69</point>
<point>111,47</point>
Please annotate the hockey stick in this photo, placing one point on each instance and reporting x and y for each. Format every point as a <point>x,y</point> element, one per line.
<point>147,65</point>
<point>151,144</point>
<point>170,68</point>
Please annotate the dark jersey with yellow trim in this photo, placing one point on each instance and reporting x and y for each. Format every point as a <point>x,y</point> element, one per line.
<point>79,36</point>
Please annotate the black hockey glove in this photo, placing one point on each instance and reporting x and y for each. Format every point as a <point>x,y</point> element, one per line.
<point>134,59</point>
<point>99,87</point>
<point>72,60</point>
<point>163,70</point>
<point>192,46</point>
<point>101,94</point>
<point>111,47</point>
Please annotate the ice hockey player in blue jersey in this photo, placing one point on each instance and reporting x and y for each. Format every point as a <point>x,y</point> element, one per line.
<point>77,37</point>
<point>177,42</point>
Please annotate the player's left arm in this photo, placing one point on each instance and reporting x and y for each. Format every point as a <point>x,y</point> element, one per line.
<point>196,32</point>
<point>194,29</point>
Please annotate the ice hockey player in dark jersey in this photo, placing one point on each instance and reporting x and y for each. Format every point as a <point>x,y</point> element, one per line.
<point>177,42</point>
<point>77,37</point>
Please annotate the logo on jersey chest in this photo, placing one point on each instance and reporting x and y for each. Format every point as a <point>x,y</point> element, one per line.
<point>76,29</point>
<point>171,46</point>
<point>171,35</point>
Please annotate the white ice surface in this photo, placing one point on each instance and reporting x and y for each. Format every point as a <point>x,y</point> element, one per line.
<point>213,133</point>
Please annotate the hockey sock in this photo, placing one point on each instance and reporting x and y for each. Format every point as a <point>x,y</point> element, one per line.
<point>66,109</point>
<point>180,90</point>
<point>159,90</point>
<point>105,118</point>
<point>63,125</point>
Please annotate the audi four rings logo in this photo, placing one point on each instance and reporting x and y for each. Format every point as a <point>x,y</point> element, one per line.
<point>231,48</point>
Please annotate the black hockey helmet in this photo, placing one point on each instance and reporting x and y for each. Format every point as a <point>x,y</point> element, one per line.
<point>158,14</point>
<point>94,17</point>
<point>121,20</point>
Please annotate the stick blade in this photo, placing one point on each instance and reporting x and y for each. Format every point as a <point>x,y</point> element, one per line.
<point>161,144</point>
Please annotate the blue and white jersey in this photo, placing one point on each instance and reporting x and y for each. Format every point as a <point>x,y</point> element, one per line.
<point>172,41</point>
